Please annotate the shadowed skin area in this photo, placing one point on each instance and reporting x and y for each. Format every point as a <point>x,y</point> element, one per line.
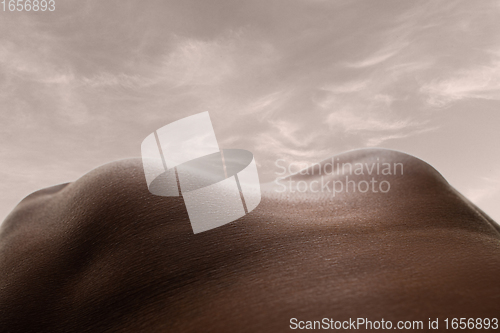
<point>102,254</point>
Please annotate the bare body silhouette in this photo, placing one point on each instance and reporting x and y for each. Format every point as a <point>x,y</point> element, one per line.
<point>103,254</point>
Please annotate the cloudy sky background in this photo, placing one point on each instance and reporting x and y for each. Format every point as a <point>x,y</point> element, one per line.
<point>300,80</point>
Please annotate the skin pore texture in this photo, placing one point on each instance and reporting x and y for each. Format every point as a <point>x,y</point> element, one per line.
<point>102,254</point>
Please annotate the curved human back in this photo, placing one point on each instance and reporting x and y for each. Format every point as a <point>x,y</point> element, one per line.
<point>103,254</point>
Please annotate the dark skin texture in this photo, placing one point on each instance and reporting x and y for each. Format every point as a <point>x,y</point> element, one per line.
<point>102,254</point>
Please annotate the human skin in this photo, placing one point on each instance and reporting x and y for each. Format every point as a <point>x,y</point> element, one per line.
<point>103,254</point>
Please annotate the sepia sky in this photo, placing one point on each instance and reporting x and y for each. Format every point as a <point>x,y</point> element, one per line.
<point>300,80</point>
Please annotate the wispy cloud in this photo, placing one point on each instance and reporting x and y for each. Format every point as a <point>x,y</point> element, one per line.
<point>479,81</point>
<point>46,85</point>
<point>377,140</point>
<point>371,109</point>
<point>487,188</point>
<point>23,63</point>
<point>347,87</point>
<point>104,79</point>
<point>380,56</point>
<point>352,122</point>
<point>197,62</point>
